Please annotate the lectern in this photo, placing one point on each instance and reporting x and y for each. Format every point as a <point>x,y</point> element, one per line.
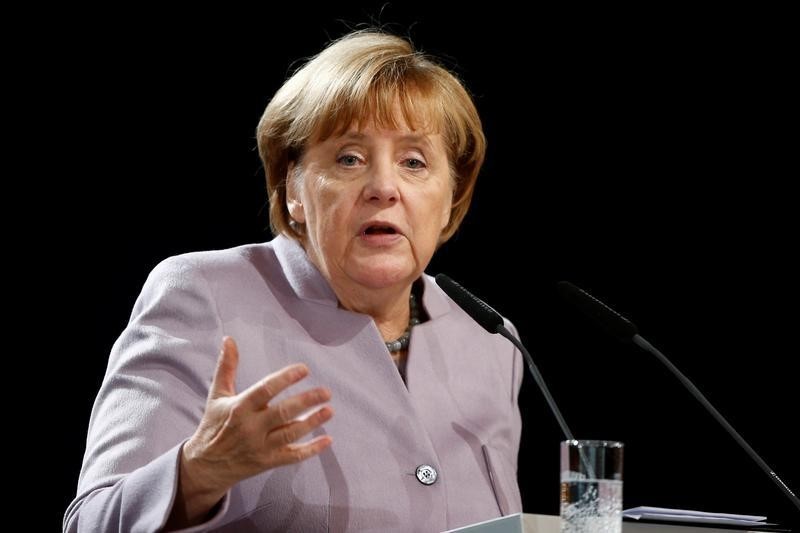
<point>538,523</point>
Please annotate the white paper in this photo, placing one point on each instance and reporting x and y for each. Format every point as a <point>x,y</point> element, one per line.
<point>696,517</point>
<point>504,524</point>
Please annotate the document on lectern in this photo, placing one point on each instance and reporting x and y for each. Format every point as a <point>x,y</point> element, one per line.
<point>505,524</point>
<point>694,517</point>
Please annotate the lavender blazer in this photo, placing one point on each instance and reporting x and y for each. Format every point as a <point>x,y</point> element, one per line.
<point>457,410</point>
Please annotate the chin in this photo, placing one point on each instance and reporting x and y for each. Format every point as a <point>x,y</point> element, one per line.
<point>378,276</point>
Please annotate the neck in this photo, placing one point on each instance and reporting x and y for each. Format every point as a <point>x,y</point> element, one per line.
<point>387,307</point>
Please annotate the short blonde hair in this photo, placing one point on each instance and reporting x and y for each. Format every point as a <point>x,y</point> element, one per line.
<point>364,77</point>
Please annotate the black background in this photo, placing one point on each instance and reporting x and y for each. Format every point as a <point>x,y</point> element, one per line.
<point>645,155</point>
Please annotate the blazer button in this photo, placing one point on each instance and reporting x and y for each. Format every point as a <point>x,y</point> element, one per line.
<point>426,474</point>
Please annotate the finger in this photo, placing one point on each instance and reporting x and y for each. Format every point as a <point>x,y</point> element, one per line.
<point>286,411</point>
<point>224,383</point>
<point>291,432</point>
<point>260,394</point>
<point>295,453</point>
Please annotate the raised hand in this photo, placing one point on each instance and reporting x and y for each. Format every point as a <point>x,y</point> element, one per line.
<point>241,435</point>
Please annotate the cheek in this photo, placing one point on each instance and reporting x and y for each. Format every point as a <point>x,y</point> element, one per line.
<point>443,206</point>
<point>316,198</point>
<point>446,210</point>
<point>330,207</point>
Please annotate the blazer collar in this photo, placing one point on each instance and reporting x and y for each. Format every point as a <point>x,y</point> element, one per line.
<point>309,284</point>
<point>434,300</point>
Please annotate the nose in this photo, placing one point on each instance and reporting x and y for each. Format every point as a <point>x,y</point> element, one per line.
<point>382,182</point>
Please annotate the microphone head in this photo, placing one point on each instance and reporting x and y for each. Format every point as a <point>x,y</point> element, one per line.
<point>479,310</point>
<point>611,321</point>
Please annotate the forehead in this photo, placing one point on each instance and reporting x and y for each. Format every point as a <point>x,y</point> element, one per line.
<point>399,135</point>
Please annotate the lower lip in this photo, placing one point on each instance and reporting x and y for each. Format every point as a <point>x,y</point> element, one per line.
<point>380,239</point>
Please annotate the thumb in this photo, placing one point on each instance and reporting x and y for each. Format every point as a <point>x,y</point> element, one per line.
<point>224,383</point>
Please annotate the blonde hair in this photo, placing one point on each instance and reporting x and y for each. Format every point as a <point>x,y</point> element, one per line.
<point>364,77</point>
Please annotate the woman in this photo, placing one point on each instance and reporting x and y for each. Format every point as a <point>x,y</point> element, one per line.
<point>371,153</point>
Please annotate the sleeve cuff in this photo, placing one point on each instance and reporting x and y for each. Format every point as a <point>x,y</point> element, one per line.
<point>155,485</point>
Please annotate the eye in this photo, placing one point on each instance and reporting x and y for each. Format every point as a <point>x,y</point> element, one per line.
<point>414,164</point>
<point>348,160</point>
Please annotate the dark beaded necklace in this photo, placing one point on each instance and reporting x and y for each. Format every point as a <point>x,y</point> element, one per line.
<point>401,343</point>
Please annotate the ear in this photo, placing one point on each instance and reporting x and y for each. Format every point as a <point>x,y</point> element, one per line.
<point>293,202</point>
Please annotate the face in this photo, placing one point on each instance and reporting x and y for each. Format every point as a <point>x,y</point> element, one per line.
<point>374,203</point>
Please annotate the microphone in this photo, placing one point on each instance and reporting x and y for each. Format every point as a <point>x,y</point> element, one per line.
<point>492,322</point>
<point>623,329</point>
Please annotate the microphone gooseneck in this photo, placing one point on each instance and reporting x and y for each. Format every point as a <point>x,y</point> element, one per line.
<point>611,321</point>
<point>625,330</point>
<point>492,322</point>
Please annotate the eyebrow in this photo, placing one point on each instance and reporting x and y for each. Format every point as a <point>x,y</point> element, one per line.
<point>407,138</point>
<point>412,137</point>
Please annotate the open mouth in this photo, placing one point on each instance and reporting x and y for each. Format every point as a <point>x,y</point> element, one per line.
<point>380,230</point>
<point>375,228</point>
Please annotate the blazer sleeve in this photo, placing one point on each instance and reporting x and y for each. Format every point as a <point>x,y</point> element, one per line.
<point>151,400</point>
